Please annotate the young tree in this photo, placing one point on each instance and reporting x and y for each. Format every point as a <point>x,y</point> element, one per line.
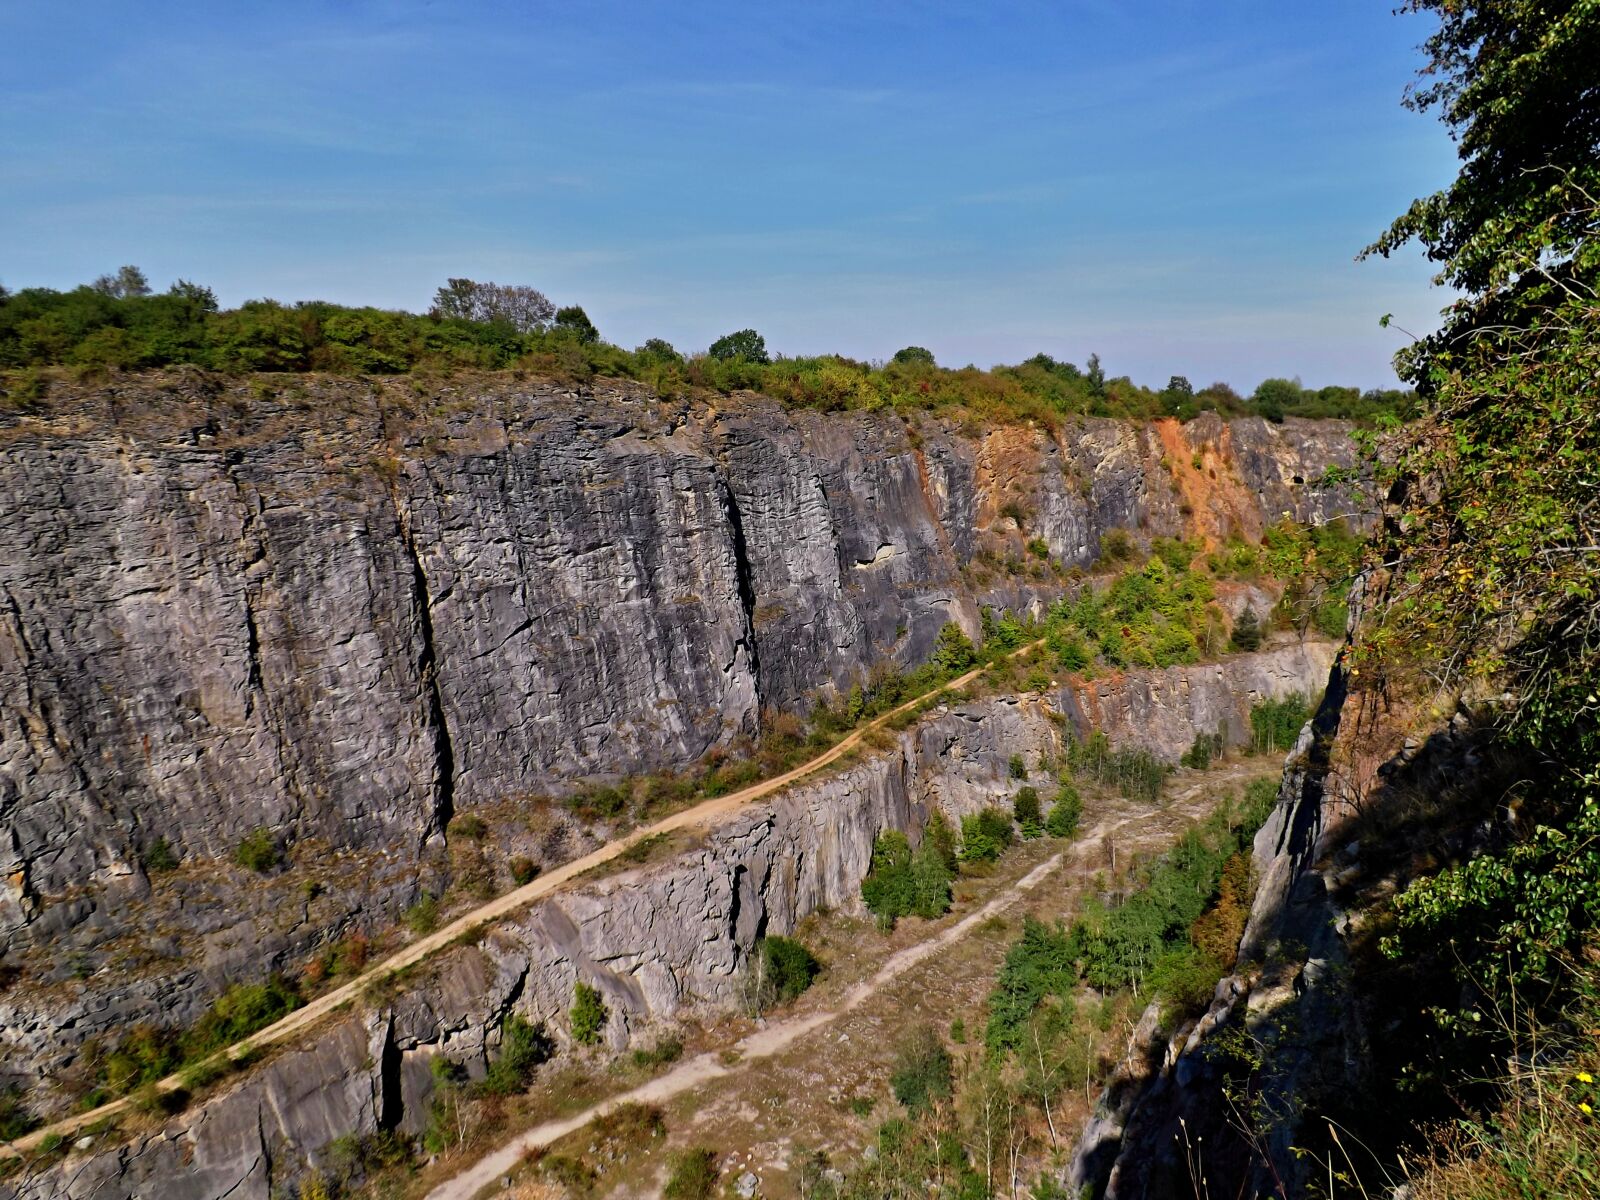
<point>1065,813</point>
<point>1177,399</point>
<point>197,294</point>
<point>659,350</point>
<point>575,323</point>
<point>1274,398</point>
<point>1096,376</point>
<point>1025,808</point>
<point>1247,631</point>
<point>922,1074</point>
<point>746,344</point>
<point>128,282</point>
<point>953,651</point>
<point>524,308</point>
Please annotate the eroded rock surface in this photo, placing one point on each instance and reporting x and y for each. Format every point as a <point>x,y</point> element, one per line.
<point>342,612</point>
<point>660,941</point>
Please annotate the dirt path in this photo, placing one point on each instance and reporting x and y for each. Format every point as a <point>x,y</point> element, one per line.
<point>707,813</point>
<point>764,1043</point>
<point>780,1036</point>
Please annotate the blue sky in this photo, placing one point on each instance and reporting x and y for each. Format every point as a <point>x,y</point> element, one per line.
<point>1180,187</point>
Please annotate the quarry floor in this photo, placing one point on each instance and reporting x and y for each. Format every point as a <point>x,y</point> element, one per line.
<point>814,1075</point>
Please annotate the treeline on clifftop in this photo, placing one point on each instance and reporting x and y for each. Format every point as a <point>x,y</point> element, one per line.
<point>118,323</point>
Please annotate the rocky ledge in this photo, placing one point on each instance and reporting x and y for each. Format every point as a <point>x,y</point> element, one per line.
<point>659,941</point>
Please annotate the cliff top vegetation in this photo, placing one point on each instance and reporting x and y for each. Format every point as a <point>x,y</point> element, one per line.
<point>118,323</point>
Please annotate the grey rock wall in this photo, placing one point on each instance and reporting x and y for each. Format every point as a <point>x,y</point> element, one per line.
<point>660,941</point>
<point>344,611</point>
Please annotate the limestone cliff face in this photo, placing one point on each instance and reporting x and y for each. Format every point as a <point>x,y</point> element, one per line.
<point>660,941</point>
<point>345,611</point>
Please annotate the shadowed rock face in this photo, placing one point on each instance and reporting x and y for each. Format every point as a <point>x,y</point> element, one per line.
<point>661,941</point>
<point>346,612</point>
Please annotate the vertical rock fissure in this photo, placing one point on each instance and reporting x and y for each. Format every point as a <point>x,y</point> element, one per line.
<point>252,647</point>
<point>428,668</point>
<point>745,578</point>
<point>391,1094</point>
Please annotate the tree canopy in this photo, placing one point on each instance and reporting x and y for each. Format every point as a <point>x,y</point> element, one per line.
<point>1493,541</point>
<point>746,344</point>
<point>119,323</point>
<point>524,308</point>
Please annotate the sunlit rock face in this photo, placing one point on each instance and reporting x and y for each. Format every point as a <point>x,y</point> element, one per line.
<point>344,612</point>
<point>661,941</point>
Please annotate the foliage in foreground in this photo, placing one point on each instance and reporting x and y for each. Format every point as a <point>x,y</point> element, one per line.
<point>1543,1139</point>
<point>1495,578</point>
<point>1487,576</point>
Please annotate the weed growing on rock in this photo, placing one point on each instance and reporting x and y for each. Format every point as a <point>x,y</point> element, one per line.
<point>588,1015</point>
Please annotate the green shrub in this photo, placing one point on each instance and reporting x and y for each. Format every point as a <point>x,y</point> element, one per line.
<point>574,1175</point>
<point>239,1012</point>
<point>258,851</point>
<point>200,1075</point>
<point>145,1053</point>
<point>601,802</point>
<point>901,883</point>
<point>1186,978</point>
<point>984,835</point>
<point>423,917</point>
<point>523,1047</point>
<point>1117,545</point>
<point>788,966</point>
<point>1017,768</point>
<point>1065,813</point>
<point>693,1175</point>
<point>160,857</point>
<point>922,1070</point>
<point>1025,808</point>
<point>523,870</point>
<point>469,825</point>
<point>668,1050</point>
<point>15,1117</point>
<point>589,1014</point>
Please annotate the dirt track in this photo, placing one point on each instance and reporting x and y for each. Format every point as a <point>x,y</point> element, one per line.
<point>779,1036</point>
<point>701,815</point>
